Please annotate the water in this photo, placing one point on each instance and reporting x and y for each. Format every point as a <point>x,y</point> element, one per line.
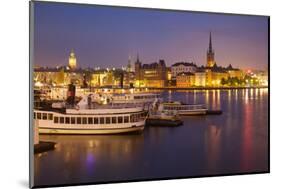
<point>231,143</point>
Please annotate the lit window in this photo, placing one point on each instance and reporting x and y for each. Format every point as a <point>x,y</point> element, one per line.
<point>84,120</point>
<point>102,120</point>
<point>132,118</point>
<point>113,119</point>
<point>120,119</point>
<point>44,116</point>
<point>90,120</point>
<point>126,119</point>
<point>56,119</point>
<point>78,120</point>
<point>72,120</point>
<point>50,116</point>
<point>61,119</point>
<point>107,120</point>
<point>67,120</point>
<point>96,120</point>
<point>38,115</point>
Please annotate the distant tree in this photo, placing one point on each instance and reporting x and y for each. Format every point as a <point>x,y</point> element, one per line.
<point>223,81</point>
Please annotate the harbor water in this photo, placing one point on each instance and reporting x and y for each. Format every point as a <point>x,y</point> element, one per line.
<point>231,143</point>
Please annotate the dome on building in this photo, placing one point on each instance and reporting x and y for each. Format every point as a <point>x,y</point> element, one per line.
<point>72,60</point>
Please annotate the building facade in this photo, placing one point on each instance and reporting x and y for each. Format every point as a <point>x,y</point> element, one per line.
<point>181,67</point>
<point>185,79</point>
<point>150,75</point>
<point>200,78</point>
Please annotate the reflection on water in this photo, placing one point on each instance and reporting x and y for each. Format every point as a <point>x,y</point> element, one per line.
<point>234,142</point>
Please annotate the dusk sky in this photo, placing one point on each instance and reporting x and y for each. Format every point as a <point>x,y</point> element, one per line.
<point>106,36</point>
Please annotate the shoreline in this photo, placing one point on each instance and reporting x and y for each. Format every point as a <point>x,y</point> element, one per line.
<point>200,88</point>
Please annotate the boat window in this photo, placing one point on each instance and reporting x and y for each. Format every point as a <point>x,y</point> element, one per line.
<point>50,116</point>
<point>113,119</point>
<point>78,120</point>
<point>34,115</point>
<point>126,119</point>
<point>72,120</point>
<point>101,120</point>
<point>90,120</point>
<point>38,115</point>
<point>67,120</point>
<point>107,120</point>
<point>84,120</point>
<point>44,116</point>
<point>120,119</point>
<point>133,118</point>
<point>96,120</point>
<point>56,119</point>
<point>61,119</point>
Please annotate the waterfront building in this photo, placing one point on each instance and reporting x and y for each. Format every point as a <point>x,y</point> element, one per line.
<point>185,79</point>
<point>58,76</point>
<point>72,63</point>
<point>98,78</point>
<point>170,81</point>
<point>180,67</point>
<point>214,75</point>
<point>150,75</point>
<point>234,72</point>
<point>200,78</point>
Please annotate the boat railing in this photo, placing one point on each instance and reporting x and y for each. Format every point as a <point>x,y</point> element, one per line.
<point>105,106</point>
<point>185,107</point>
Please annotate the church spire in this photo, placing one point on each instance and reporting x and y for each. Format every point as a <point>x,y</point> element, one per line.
<point>210,53</point>
<point>210,43</point>
<point>138,57</point>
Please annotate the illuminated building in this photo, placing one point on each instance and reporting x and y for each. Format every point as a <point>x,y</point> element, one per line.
<point>185,79</point>
<point>214,75</point>
<point>234,72</point>
<point>210,54</point>
<point>72,60</point>
<point>98,78</point>
<point>150,75</point>
<point>182,67</point>
<point>169,77</point>
<point>200,78</point>
<point>59,76</point>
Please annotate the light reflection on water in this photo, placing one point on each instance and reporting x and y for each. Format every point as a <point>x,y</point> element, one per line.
<point>234,142</point>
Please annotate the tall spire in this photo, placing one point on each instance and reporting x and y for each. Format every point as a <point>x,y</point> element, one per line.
<point>210,43</point>
<point>210,53</point>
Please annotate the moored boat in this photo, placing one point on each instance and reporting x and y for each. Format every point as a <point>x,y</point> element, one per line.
<point>163,119</point>
<point>88,117</point>
<point>184,109</point>
<point>102,120</point>
<point>159,117</point>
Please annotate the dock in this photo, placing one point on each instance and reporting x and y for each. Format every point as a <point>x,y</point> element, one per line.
<point>163,122</point>
<point>44,146</point>
<point>213,112</point>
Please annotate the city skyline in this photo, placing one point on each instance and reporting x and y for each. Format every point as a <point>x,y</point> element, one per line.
<point>107,36</point>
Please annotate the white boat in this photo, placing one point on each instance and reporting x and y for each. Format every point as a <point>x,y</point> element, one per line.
<point>135,98</point>
<point>91,118</point>
<point>159,117</point>
<point>184,109</point>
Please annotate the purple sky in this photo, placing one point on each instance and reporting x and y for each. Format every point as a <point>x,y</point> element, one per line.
<point>106,36</point>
